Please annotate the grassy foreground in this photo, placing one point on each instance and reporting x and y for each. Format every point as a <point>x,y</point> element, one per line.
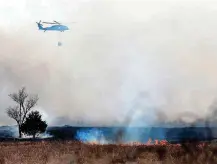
<point>53,152</point>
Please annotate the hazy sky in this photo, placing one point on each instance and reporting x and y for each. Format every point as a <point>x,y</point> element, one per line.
<point>121,58</point>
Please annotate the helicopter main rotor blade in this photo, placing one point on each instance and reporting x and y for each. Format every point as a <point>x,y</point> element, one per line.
<point>56,22</point>
<point>48,22</point>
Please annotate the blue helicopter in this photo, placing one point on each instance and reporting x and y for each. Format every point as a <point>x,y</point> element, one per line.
<point>56,27</point>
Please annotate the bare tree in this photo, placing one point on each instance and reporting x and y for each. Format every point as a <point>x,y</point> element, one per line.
<point>24,103</point>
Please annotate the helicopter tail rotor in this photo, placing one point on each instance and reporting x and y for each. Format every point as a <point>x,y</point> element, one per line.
<point>40,26</point>
<point>39,22</point>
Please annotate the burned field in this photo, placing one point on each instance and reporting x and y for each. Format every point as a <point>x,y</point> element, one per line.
<point>73,152</point>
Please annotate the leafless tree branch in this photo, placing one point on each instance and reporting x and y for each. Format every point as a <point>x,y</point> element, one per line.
<point>24,104</point>
<point>13,112</point>
<point>20,96</point>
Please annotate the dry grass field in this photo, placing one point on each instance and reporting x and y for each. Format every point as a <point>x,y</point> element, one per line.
<point>68,152</point>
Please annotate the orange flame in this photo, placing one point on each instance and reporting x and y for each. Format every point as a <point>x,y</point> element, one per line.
<point>149,142</point>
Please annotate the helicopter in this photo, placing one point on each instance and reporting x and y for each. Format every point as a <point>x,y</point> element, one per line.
<point>56,27</point>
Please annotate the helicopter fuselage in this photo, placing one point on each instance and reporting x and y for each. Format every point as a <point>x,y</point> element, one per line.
<point>57,28</point>
<point>60,28</point>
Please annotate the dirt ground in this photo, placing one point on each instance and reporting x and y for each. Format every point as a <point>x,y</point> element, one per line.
<point>53,152</point>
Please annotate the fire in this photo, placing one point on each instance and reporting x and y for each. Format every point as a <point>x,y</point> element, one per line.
<point>93,143</point>
<point>157,142</point>
<point>149,142</point>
